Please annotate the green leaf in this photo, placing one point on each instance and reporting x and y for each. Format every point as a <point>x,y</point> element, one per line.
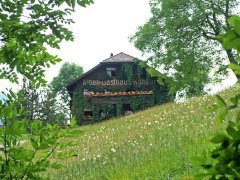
<point>56,165</point>
<point>235,68</point>
<point>220,102</point>
<point>223,109</point>
<point>238,117</point>
<point>21,154</point>
<point>221,115</point>
<point>66,144</point>
<point>233,44</point>
<point>234,100</point>
<point>212,108</point>
<point>73,3</point>
<point>44,145</point>
<point>73,121</point>
<point>219,138</point>
<point>229,36</point>
<point>235,22</point>
<point>232,132</point>
<point>34,143</point>
<point>42,165</point>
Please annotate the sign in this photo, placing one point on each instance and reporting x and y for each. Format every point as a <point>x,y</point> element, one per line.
<point>116,82</point>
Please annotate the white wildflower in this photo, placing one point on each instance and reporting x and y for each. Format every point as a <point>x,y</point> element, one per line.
<point>113,150</point>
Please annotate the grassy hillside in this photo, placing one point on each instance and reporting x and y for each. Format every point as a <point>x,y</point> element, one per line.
<point>157,143</point>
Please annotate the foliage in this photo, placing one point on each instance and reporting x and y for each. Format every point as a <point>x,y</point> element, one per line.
<point>31,100</point>
<point>40,104</point>
<point>226,155</point>
<point>48,111</point>
<point>180,39</point>
<point>23,162</point>
<point>128,72</point>
<point>68,73</point>
<point>26,28</point>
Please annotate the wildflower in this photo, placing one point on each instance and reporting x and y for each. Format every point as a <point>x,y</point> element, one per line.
<point>113,150</point>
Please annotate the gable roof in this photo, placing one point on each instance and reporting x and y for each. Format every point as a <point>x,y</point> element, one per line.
<point>121,57</point>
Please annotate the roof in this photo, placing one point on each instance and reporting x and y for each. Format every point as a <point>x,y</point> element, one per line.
<point>121,57</point>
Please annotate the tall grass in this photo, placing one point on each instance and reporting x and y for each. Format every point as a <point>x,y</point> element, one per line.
<point>157,143</point>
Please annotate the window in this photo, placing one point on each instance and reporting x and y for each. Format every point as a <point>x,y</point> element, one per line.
<point>88,114</point>
<point>111,72</point>
<point>85,92</point>
<point>127,109</point>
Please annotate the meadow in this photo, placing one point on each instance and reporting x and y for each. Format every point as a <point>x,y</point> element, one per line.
<point>159,143</point>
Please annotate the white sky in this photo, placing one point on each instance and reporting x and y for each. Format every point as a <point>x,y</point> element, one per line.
<point>101,29</point>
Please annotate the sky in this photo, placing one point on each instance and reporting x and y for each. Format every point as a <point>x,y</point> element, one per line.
<point>99,30</point>
<point>104,28</point>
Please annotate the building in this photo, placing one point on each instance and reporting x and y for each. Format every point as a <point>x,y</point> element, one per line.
<point>117,86</point>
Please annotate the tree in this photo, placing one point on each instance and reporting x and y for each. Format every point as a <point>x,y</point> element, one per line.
<point>31,100</point>
<point>49,112</point>
<point>68,73</point>
<point>181,39</point>
<point>26,27</point>
<point>225,156</point>
<point>40,104</point>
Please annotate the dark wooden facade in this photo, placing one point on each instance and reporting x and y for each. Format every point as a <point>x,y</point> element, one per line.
<point>117,86</point>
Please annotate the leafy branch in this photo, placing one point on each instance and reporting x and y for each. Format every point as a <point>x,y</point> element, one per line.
<point>226,155</point>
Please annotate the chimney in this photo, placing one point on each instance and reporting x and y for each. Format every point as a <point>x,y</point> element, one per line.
<point>111,55</point>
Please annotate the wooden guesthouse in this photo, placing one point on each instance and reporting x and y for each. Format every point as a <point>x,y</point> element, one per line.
<point>117,86</point>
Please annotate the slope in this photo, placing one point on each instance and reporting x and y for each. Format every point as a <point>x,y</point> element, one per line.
<point>157,143</point>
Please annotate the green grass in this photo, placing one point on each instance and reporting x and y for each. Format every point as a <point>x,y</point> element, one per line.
<point>157,143</point>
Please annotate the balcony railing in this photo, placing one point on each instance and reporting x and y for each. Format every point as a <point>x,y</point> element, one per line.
<point>129,93</point>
